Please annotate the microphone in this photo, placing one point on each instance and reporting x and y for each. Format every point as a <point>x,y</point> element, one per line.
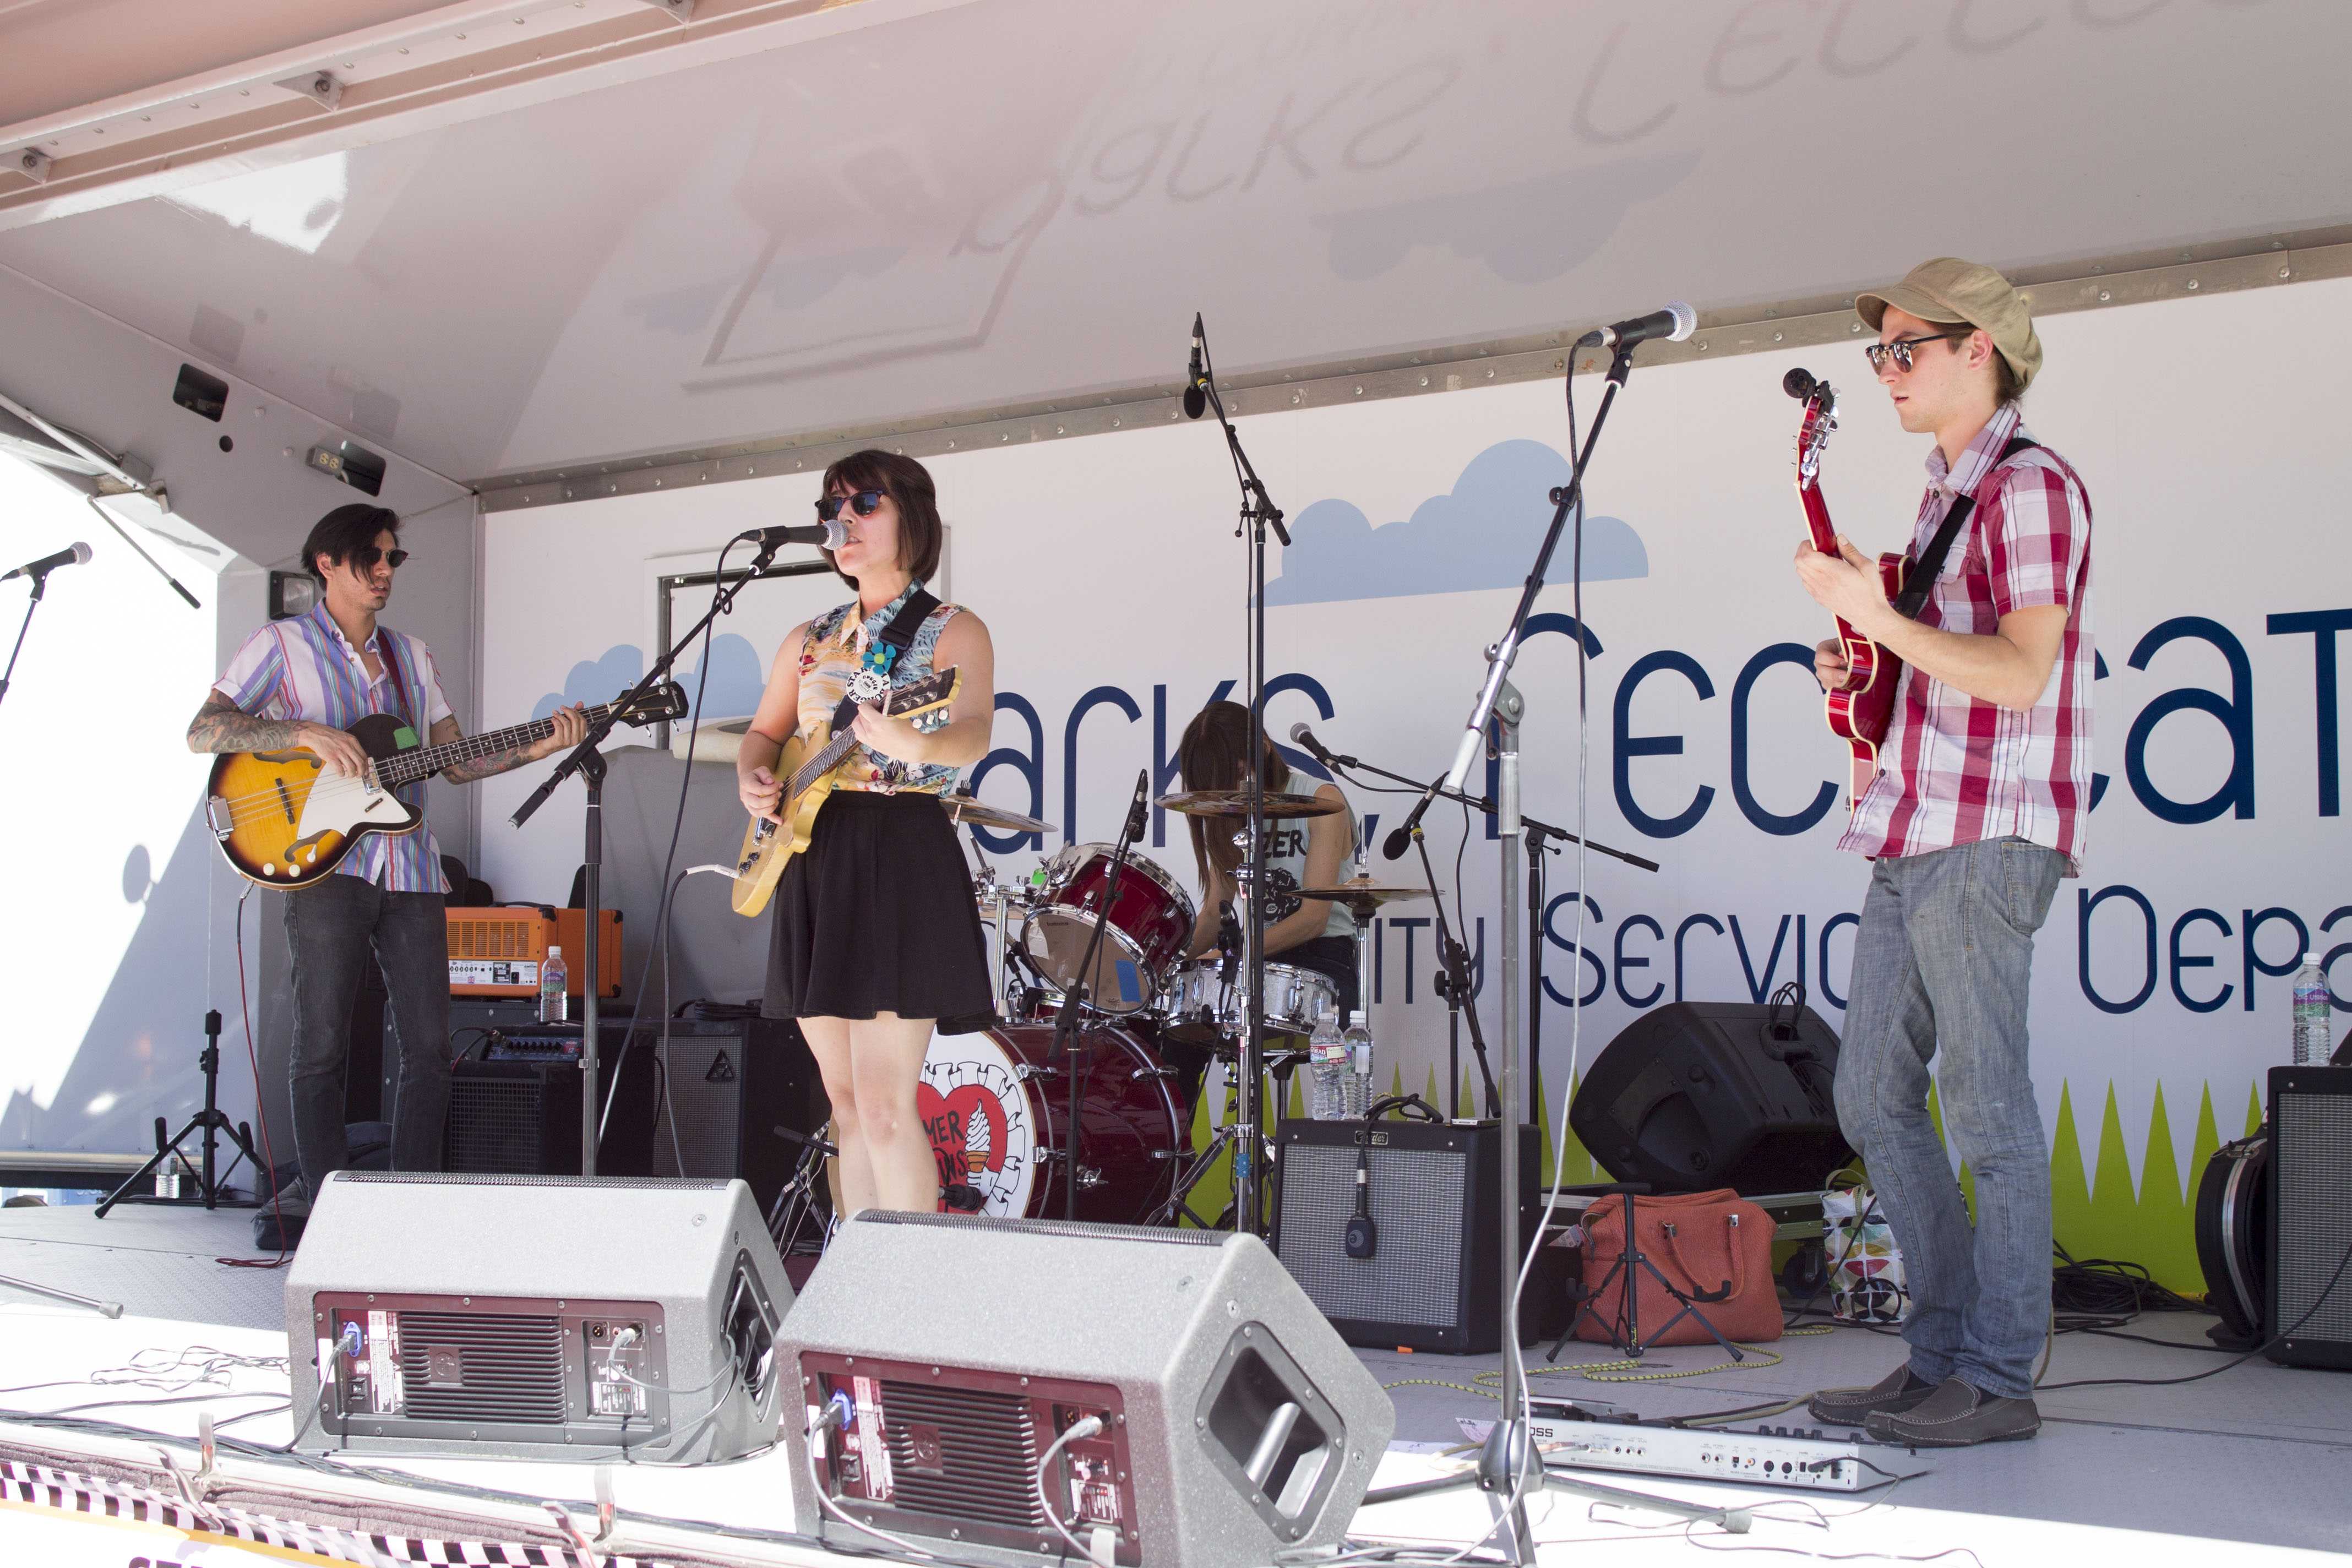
<point>829,533</point>
<point>1196,401</point>
<point>76,555</point>
<point>1394,844</point>
<point>1674,323</point>
<point>1134,829</point>
<point>1300,735</point>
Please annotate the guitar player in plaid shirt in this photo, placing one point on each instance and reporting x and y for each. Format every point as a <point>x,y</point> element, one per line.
<point>1976,813</point>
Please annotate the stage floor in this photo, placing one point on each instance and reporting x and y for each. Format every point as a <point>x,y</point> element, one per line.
<point>2254,1455</point>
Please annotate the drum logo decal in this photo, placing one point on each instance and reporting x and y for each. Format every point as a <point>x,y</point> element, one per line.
<point>978,1121</point>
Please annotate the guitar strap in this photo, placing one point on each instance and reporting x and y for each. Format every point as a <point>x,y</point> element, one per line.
<point>1919,578</point>
<point>894,641</point>
<point>384,645</point>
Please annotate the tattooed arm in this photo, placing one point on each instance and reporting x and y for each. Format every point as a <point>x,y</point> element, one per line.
<point>571,729</point>
<point>220,725</point>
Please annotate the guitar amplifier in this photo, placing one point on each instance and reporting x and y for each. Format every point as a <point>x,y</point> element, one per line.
<point>514,1109</point>
<point>2311,1216</point>
<point>496,951</point>
<point>1435,1282</point>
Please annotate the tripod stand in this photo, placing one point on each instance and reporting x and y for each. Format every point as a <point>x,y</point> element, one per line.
<point>210,1122</point>
<point>1629,1267</point>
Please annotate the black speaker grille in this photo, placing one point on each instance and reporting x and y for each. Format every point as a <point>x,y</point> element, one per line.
<point>1415,1277</point>
<point>988,1453</point>
<point>486,1366</point>
<point>702,1108</point>
<point>2311,1175</point>
<point>495,1125</point>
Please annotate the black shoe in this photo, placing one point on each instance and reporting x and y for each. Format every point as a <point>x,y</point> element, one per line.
<point>1956,1415</point>
<point>1899,1390</point>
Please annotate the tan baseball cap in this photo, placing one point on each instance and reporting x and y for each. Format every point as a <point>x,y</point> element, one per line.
<point>1949,289</point>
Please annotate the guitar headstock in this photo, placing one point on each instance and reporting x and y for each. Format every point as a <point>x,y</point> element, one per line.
<point>659,706</point>
<point>1821,418</point>
<point>936,690</point>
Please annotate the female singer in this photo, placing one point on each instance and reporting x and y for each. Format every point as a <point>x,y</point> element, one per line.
<point>1310,851</point>
<point>876,934</point>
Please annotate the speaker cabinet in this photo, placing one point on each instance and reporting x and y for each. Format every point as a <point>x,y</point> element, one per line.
<point>726,1086</point>
<point>537,1317</point>
<point>1435,1282</point>
<point>1700,1095</point>
<point>2311,1216</point>
<point>514,1109</point>
<point>952,1352</point>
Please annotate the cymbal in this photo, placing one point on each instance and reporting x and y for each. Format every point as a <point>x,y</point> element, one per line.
<point>1236,803</point>
<point>963,809</point>
<point>1364,892</point>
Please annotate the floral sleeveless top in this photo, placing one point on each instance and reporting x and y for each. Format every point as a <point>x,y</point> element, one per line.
<point>835,650</point>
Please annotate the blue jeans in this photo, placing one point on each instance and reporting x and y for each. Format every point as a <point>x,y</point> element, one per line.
<point>330,930</point>
<point>1942,964</point>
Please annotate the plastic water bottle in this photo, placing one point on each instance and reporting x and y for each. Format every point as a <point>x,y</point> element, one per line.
<point>1327,1069</point>
<point>1358,1040</point>
<point>2311,1020</point>
<point>553,1002</point>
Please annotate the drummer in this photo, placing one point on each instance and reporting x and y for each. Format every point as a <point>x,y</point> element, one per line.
<point>1298,852</point>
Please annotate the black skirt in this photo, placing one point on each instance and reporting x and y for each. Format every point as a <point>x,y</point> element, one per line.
<point>878,916</point>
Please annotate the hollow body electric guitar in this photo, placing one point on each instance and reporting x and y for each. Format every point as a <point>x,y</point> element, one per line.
<point>1860,710</point>
<point>808,766</point>
<point>283,820</point>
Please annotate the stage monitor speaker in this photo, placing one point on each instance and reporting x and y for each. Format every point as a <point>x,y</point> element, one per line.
<point>535,1317</point>
<point>2311,1216</point>
<point>950,1359</point>
<point>1699,1095</point>
<point>1435,1280</point>
<point>726,1086</point>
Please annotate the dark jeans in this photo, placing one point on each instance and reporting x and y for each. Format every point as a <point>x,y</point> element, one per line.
<point>330,929</point>
<point>1942,965</point>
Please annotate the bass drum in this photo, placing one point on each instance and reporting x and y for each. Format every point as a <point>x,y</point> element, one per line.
<point>996,1103</point>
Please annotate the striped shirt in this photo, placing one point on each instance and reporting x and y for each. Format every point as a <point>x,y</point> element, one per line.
<point>304,667</point>
<point>1954,768</point>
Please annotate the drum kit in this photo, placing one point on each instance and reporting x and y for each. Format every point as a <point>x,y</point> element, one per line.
<point>995,1100</point>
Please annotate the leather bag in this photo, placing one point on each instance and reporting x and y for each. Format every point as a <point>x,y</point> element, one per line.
<point>1706,1244</point>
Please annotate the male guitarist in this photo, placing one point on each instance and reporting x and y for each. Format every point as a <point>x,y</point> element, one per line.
<point>299,683</point>
<point>1976,813</point>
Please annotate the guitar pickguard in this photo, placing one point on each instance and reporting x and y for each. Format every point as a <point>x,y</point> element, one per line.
<point>337,803</point>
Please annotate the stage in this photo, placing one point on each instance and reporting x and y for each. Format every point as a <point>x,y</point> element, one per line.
<point>2253,1456</point>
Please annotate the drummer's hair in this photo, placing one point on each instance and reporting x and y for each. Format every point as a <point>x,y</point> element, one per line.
<point>909,483</point>
<point>1215,754</point>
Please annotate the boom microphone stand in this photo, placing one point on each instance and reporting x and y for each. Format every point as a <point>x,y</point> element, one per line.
<point>588,762</point>
<point>1258,513</point>
<point>1076,994</point>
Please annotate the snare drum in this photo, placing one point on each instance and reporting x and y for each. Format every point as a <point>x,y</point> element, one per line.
<point>1202,1010</point>
<point>1144,933</point>
<point>995,1104</point>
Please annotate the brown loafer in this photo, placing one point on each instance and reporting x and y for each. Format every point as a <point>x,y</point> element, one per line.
<point>1958,1415</point>
<point>1898,1391</point>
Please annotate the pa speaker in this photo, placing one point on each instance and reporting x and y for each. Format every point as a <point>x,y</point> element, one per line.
<point>726,1086</point>
<point>1435,1280</point>
<point>2311,1216</point>
<point>1173,1394</point>
<point>1700,1095</point>
<point>556,1318</point>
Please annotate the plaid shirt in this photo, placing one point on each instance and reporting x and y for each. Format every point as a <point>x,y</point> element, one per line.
<point>1955,769</point>
<point>303,668</point>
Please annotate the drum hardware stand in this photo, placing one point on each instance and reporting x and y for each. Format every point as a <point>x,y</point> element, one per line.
<point>588,762</point>
<point>1066,1033</point>
<point>1258,513</point>
<point>796,1205</point>
<point>210,1122</point>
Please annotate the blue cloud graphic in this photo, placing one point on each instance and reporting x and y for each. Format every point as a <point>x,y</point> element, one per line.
<point>736,676</point>
<point>1530,231</point>
<point>597,681</point>
<point>1482,535</point>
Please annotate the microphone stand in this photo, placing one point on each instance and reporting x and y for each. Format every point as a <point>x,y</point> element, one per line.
<point>1453,984</point>
<point>40,586</point>
<point>1073,998</point>
<point>1258,513</point>
<point>588,762</point>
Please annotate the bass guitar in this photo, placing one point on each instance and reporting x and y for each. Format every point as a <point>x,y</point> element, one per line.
<point>282,820</point>
<point>1859,711</point>
<point>808,766</point>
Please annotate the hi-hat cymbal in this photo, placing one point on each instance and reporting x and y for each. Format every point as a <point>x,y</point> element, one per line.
<point>1364,892</point>
<point>1237,803</point>
<point>963,809</point>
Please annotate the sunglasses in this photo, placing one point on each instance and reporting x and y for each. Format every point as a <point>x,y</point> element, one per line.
<point>365,557</point>
<point>1899,351</point>
<point>865,503</point>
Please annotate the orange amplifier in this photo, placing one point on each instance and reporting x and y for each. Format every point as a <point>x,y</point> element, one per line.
<point>497,951</point>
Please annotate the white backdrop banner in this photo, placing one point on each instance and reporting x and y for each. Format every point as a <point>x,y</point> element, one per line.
<point>1109,573</point>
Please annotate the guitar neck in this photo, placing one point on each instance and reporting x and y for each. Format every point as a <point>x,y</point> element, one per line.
<point>1817,517</point>
<point>426,761</point>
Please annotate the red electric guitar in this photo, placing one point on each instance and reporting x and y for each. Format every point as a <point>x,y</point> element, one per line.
<point>1859,711</point>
